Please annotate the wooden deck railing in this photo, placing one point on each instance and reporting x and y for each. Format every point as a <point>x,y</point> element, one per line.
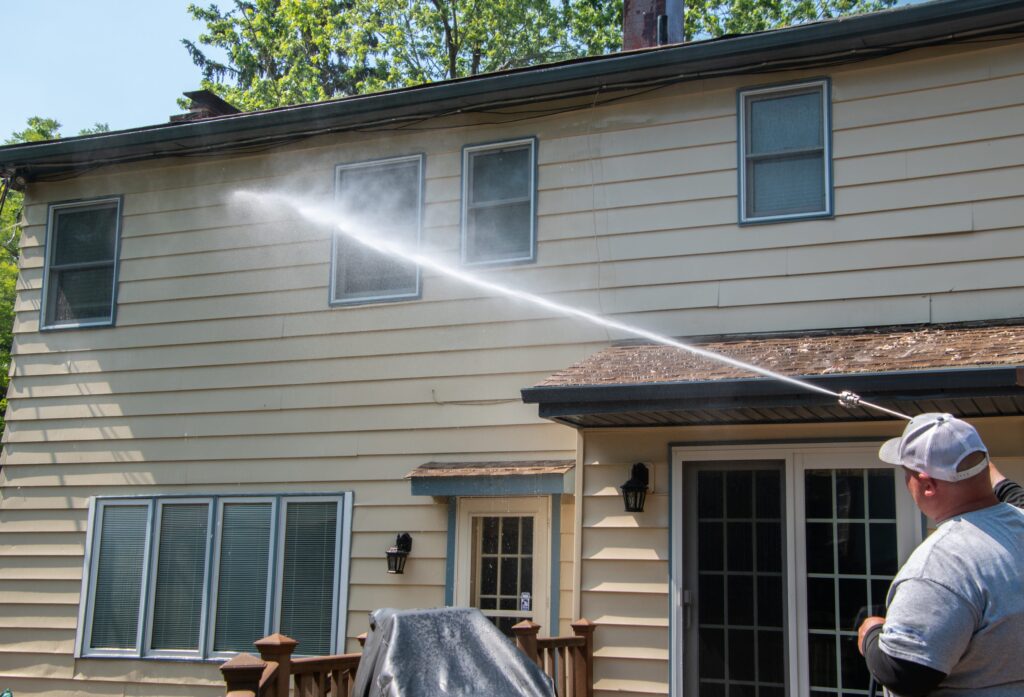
<point>567,660</point>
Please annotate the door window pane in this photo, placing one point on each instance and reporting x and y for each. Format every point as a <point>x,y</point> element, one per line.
<point>502,573</point>
<point>850,560</point>
<point>739,603</point>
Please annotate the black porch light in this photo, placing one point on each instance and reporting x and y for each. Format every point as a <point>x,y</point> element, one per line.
<point>399,553</point>
<point>634,491</point>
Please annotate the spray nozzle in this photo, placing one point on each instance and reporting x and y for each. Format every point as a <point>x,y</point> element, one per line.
<point>849,399</point>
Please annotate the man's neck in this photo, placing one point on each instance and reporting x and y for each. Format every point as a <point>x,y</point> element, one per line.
<point>966,505</point>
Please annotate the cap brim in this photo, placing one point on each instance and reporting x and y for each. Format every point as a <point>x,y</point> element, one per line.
<point>890,451</point>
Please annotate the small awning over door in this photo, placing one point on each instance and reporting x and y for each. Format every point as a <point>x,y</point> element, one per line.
<point>509,478</point>
<point>968,370</point>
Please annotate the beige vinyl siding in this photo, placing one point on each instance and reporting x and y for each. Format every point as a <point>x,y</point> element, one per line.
<point>228,373</point>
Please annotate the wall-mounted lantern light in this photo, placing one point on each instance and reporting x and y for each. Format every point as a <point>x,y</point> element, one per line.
<point>399,553</point>
<point>634,491</point>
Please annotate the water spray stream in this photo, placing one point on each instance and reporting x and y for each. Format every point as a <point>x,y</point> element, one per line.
<point>332,217</point>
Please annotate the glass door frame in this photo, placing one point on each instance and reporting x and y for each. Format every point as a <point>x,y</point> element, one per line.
<point>797,459</point>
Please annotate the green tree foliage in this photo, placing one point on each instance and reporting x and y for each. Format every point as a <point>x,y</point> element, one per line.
<point>37,129</point>
<point>283,52</point>
<point>425,41</point>
<point>279,52</point>
<point>714,18</point>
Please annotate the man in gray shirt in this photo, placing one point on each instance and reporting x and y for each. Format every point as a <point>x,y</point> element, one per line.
<point>954,622</point>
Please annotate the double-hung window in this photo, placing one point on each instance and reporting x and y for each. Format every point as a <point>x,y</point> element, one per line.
<point>205,577</point>
<point>499,202</point>
<point>81,263</point>
<point>785,156</point>
<point>779,552</point>
<point>382,200</point>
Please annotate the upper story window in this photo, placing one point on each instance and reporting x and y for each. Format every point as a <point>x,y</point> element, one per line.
<point>499,202</point>
<point>785,152</point>
<point>383,198</point>
<point>206,576</point>
<point>81,264</point>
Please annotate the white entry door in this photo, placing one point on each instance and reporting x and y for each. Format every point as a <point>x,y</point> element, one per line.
<point>502,559</point>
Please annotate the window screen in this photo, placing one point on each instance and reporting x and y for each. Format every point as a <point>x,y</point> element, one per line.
<point>379,199</point>
<point>81,261</point>
<point>498,203</point>
<point>785,160</point>
<point>118,577</point>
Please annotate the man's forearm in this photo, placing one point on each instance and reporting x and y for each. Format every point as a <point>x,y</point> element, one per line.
<point>905,678</point>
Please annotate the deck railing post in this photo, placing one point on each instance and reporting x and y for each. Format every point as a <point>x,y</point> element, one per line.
<point>242,675</point>
<point>279,648</point>
<point>526,640</point>
<point>583,661</point>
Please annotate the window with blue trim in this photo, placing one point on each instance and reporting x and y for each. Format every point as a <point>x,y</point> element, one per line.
<point>81,263</point>
<point>499,203</point>
<point>785,152</point>
<point>205,577</point>
<point>382,199</point>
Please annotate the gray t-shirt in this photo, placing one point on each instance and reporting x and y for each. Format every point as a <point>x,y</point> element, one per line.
<point>957,605</point>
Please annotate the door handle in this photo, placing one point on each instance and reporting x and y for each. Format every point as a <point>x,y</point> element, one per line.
<point>687,609</point>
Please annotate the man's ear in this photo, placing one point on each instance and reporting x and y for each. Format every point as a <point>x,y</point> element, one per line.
<point>929,485</point>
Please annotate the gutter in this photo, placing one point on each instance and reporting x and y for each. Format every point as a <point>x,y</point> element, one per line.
<point>841,40</point>
<point>943,384</point>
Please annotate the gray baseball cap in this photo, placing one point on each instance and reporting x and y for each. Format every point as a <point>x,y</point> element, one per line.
<point>935,444</point>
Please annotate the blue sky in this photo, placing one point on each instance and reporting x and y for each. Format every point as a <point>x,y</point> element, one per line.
<point>81,61</point>
<point>118,62</point>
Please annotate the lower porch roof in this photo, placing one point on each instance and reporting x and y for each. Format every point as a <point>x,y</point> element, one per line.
<point>971,370</point>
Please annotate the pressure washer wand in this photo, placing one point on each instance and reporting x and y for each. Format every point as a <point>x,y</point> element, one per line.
<point>849,400</point>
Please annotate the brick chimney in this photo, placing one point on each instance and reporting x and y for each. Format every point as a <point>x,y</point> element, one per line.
<point>647,23</point>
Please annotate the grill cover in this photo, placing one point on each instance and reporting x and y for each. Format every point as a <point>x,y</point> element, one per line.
<point>455,652</point>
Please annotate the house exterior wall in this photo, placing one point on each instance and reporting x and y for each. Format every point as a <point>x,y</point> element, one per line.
<point>227,372</point>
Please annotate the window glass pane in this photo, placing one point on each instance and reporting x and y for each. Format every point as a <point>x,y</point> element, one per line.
<point>361,272</point>
<point>84,235</point>
<point>818,494</point>
<point>864,549</point>
<point>81,294</point>
<point>850,494</point>
<point>180,576</point>
<point>787,185</point>
<point>499,232</point>
<point>307,577</point>
<point>382,201</point>
<point>119,571</point>
<point>500,175</point>
<point>785,122</point>
<point>242,576</point>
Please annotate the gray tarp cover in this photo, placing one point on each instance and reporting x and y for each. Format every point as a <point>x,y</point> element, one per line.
<point>445,651</point>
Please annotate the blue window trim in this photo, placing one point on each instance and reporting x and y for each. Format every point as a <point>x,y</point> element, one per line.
<point>825,85</point>
<point>532,141</point>
<point>345,502</point>
<point>332,299</point>
<point>48,247</point>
